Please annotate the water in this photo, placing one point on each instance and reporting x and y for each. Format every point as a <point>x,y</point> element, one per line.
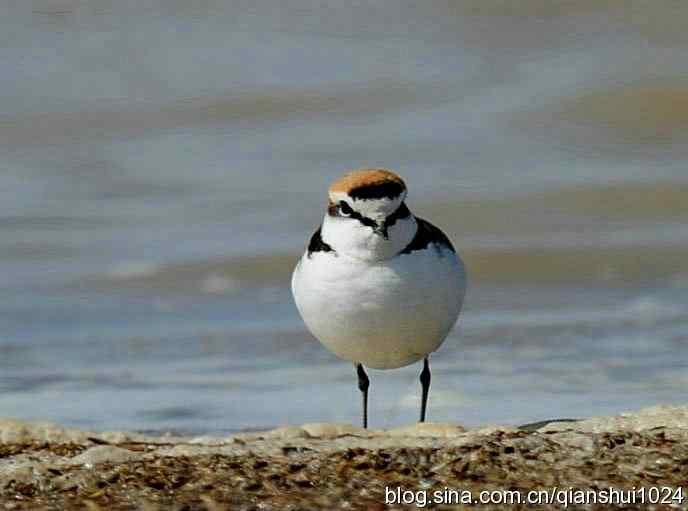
<point>163,165</point>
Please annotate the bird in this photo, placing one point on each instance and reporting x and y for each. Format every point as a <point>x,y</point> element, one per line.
<point>377,285</point>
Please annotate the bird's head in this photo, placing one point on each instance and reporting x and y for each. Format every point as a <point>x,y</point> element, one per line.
<point>366,215</point>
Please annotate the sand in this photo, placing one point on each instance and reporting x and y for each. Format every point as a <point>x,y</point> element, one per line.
<point>334,466</point>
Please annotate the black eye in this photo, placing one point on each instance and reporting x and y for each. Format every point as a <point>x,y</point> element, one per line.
<point>345,209</point>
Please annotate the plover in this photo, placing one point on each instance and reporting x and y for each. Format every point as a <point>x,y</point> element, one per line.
<point>377,285</point>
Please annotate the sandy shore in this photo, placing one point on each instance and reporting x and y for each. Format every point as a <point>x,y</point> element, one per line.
<point>331,466</point>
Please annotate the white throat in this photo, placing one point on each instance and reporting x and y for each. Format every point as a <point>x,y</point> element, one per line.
<point>350,238</point>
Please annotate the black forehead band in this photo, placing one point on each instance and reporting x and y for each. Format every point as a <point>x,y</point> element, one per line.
<point>388,190</point>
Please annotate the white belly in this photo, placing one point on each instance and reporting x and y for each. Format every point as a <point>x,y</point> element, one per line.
<point>385,314</point>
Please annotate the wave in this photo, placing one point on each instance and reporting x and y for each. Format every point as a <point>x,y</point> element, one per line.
<point>611,234</point>
<point>506,266</point>
<point>274,104</point>
<point>625,201</point>
<point>646,114</point>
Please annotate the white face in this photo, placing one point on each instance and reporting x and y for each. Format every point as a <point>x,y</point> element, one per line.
<point>376,209</point>
<point>368,229</point>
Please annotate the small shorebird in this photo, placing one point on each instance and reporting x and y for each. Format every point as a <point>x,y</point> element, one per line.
<point>378,286</point>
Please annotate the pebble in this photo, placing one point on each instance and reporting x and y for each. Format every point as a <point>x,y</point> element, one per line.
<point>102,454</point>
<point>329,430</point>
<point>15,431</point>
<point>647,418</point>
<point>429,429</point>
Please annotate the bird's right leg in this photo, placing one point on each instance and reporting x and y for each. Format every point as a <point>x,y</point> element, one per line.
<point>425,382</point>
<point>363,384</point>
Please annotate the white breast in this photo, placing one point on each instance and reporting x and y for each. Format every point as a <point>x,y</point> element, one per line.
<point>383,314</point>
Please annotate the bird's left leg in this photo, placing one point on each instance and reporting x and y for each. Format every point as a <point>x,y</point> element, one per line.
<point>425,383</point>
<point>363,384</point>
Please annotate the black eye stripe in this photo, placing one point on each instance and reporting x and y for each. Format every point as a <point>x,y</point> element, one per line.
<point>356,215</point>
<point>365,220</point>
<point>345,208</point>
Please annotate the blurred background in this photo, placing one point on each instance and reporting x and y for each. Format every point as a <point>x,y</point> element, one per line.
<point>163,164</point>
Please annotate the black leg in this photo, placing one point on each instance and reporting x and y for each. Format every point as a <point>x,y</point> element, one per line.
<point>425,382</point>
<point>363,384</point>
